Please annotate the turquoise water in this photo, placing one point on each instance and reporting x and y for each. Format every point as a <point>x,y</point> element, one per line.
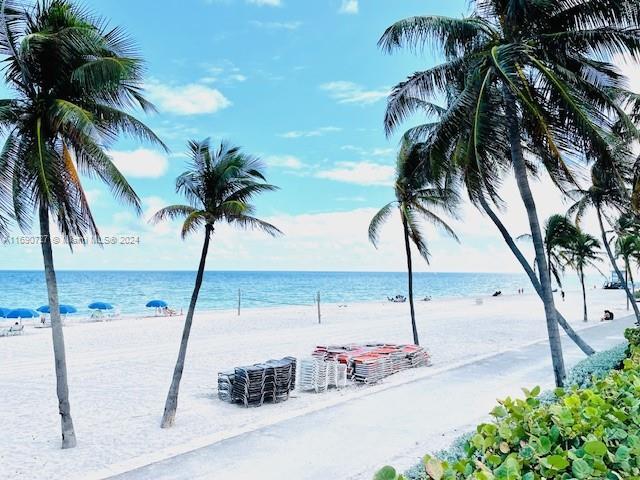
<point>130,290</point>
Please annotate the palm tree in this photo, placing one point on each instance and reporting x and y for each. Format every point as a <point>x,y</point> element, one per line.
<point>74,78</point>
<point>582,252</point>
<point>219,186</point>
<point>484,206</point>
<point>628,248</point>
<point>457,163</point>
<point>559,232</point>
<point>416,198</point>
<point>605,193</point>
<point>533,70</point>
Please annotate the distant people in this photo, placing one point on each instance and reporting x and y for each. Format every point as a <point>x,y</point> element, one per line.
<point>497,293</point>
<point>608,315</point>
<point>562,294</point>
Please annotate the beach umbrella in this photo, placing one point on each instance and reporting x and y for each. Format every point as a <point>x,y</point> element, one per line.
<point>22,313</point>
<point>64,309</point>
<point>100,306</point>
<point>156,304</point>
<point>4,312</point>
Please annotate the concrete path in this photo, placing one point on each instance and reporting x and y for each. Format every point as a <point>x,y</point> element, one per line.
<point>396,426</point>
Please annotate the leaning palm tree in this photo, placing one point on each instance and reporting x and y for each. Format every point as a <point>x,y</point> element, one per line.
<point>605,194</point>
<point>559,232</point>
<point>536,71</point>
<point>416,199</point>
<point>481,190</point>
<point>628,248</point>
<point>582,252</point>
<point>219,186</point>
<point>75,80</point>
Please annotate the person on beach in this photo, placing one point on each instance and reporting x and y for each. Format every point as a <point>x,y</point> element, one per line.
<point>608,315</point>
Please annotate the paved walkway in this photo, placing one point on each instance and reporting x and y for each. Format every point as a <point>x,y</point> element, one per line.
<point>395,426</point>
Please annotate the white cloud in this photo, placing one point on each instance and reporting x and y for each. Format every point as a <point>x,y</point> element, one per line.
<point>318,132</point>
<point>293,25</point>
<point>140,163</point>
<point>238,77</point>
<point>266,3</point>
<point>349,7</point>
<point>189,99</point>
<point>361,173</point>
<point>375,152</point>
<point>350,92</point>
<point>93,196</point>
<point>284,161</point>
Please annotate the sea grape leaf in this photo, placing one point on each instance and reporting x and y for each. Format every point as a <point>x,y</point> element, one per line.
<point>386,473</point>
<point>581,469</point>
<point>556,462</point>
<point>433,468</point>
<point>595,448</point>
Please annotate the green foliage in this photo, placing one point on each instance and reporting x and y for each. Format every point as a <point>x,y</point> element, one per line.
<point>219,185</point>
<point>587,433</point>
<point>596,366</point>
<point>387,473</point>
<point>633,336</point>
<point>75,82</point>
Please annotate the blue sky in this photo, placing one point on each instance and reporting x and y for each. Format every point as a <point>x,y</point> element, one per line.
<point>303,85</point>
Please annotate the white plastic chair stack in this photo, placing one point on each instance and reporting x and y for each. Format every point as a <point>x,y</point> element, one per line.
<point>322,379</point>
<point>332,372</point>
<point>313,375</point>
<point>308,373</point>
<point>341,375</point>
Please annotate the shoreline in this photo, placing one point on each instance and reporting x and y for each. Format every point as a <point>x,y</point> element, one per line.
<point>75,319</point>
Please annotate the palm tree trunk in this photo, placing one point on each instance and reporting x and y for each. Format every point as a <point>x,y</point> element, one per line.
<point>584,295</point>
<point>584,346</point>
<point>407,247</point>
<point>633,286</point>
<point>520,170</point>
<point>62,387</point>
<point>171,404</point>
<point>612,259</point>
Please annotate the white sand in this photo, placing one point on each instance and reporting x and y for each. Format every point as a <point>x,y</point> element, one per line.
<point>119,373</point>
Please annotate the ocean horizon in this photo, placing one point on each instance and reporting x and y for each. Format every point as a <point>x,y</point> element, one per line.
<point>129,290</point>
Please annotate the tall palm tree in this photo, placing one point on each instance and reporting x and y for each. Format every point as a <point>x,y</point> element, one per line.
<point>416,199</point>
<point>628,248</point>
<point>605,194</point>
<point>582,252</point>
<point>534,70</point>
<point>219,186</point>
<point>481,190</point>
<point>74,80</point>
<point>559,232</point>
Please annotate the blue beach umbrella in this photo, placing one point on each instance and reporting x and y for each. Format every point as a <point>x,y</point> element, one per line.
<point>22,313</point>
<point>64,309</point>
<point>4,312</point>
<point>100,306</point>
<point>156,304</point>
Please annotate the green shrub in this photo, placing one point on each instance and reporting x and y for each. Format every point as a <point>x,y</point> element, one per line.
<point>588,433</point>
<point>596,366</point>
<point>457,450</point>
<point>633,336</point>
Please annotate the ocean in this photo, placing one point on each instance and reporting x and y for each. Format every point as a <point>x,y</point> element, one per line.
<point>130,290</point>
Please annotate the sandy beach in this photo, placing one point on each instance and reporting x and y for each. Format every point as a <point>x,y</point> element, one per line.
<point>119,372</point>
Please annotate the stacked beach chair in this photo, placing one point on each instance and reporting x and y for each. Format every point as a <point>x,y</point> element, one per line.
<point>371,362</point>
<point>252,385</point>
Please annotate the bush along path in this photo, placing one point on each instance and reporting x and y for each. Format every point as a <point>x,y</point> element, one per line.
<point>584,433</point>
